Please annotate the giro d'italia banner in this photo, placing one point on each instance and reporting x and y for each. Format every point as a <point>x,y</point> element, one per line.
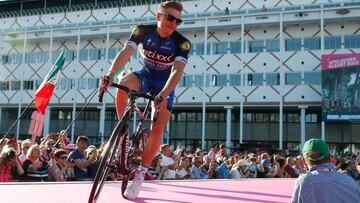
<point>341,87</point>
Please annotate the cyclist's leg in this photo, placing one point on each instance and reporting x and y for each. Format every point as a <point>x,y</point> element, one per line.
<point>155,138</point>
<point>157,128</point>
<point>132,82</point>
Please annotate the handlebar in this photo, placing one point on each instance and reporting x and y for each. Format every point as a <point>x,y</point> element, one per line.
<point>128,91</point>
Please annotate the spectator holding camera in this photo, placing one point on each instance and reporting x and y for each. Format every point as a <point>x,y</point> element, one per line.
<point>78,157</point>
<point>10,167</point>
<point>184,171</point>
<point>240,170</point>
<point>36,165</point>
<point>196,170</point>
<point>209,166</point>
<point>25,145</point>
<point>91,153</point>
<point>60,169</point>
<point>169,162</point>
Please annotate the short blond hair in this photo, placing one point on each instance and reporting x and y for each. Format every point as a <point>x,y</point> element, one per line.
<point>171,4</point>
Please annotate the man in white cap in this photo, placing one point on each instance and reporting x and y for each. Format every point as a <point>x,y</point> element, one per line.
<point>322,183</point>
<point>240,170</point>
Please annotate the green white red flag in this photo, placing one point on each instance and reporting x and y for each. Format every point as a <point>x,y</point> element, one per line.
<point>45,91</point>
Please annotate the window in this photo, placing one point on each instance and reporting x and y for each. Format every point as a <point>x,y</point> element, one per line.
<point>84,55</point>
<point>293,44</point>
<point>293,78</point>
<point>207,80</point>
<point>94,54</point>
<point>255,79</point>
<point>66,84</point>
<point>69,55</point>
<point>261,117</point>
<point>112,53</point>
<point>220,48</point>
<point>37,83</point>
<point>332,42</point>
<point>4,85</point>
<point>199,48</point>
<point>235,79</point>
<point>30,58</point>
<point>274,117</point>
<point>312,78</point>
<point>235,47</point>
<point>256,46</point>
<point>15,85</point>
<point>311,118</point>
<point>312,43</point>
<point>82,83</point>
<point>272,78</point>
<point>186,81</point>
<point>199,81</point>
<point>219,80</point>
<point>248,117</point>
<point>42,57</point>
<point>292,118</point>
<point>28,85</point>
<point>352,41</point>
<point>272,45</point>
<point>5,59</point>
<point>93,83</point>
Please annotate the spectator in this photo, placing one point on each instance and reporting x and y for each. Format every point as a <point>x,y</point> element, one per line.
<point>36,165</point>
<point>196,170</point>
<point>343,166</point>
<point>227,11</point>
<point>222,151</point>
<point>91,153</point>
<point>352,171</point>
<point>254,167</point>
<point>184,171</point>
<point>240,170</point>
<point>61,169</point>
<point>209,167</point>
<point>222,172</point>
<point>169,161</point>
<point>25,145</point>
<point>322,183</point>
<point>10,167</point>
<point>289,168</point>
<point>77,156</point>
<point>281,172</point>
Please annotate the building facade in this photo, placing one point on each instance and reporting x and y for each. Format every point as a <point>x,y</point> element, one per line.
<point>253,76</point>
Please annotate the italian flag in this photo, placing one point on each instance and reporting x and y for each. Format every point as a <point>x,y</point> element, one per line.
<point>43,94</point>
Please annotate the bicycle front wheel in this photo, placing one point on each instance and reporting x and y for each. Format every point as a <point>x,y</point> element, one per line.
<point>107,161</point>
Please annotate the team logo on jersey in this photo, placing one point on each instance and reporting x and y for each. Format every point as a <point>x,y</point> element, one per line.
<point>136,31</point>
<point>185,46</point>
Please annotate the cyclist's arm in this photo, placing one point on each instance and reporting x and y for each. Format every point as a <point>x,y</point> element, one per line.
<point>174,78</point>
<point>121,59</point>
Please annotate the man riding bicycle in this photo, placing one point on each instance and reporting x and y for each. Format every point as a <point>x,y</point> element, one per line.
<point>165,53</point>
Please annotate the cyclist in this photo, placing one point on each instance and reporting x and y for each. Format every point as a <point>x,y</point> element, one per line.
<point>165,52</point>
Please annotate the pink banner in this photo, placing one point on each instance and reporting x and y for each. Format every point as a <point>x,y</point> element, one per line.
<point>334,61</point>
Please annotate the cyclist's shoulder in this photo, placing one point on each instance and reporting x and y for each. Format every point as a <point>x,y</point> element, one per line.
<point>179,38</point>
<point>148,28</point>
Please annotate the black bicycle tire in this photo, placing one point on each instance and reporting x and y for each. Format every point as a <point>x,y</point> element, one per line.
<point>124,163</point>
<point>102,169</point>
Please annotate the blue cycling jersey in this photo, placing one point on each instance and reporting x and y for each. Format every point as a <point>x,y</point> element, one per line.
<point>159,54</point>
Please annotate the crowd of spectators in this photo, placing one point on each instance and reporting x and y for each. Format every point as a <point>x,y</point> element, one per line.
<point>56,159</point>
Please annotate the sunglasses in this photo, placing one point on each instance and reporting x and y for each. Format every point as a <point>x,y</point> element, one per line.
<point>172,18</point>
<point>63,157</point>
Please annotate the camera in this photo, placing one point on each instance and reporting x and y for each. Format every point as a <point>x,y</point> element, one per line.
<point>10,154</point>
<point>48,150</point>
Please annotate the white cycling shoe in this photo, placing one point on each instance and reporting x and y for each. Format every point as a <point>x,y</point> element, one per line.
<point>133,190</point>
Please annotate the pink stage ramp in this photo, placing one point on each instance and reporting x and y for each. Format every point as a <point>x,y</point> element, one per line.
<point>207,191</point>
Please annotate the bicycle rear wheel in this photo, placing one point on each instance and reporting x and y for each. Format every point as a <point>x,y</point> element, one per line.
<point>107,161</point>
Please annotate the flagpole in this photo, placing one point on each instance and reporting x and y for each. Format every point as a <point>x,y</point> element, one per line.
<point>13,125</point>
<point>77,115</point>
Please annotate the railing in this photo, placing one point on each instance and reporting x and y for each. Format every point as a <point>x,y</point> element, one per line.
<point>185,16</point>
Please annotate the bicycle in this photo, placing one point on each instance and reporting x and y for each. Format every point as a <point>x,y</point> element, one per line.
<point>121,152</point>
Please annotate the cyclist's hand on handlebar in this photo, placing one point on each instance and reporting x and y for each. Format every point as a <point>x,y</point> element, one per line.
<point>160,102</point>
<point>106,81</point>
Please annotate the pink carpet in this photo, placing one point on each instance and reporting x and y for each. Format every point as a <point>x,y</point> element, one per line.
<point>207,191</point>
